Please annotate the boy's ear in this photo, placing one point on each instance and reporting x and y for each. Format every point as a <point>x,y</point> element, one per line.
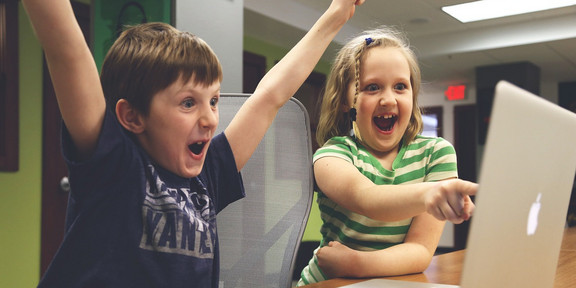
<point>129,117</point>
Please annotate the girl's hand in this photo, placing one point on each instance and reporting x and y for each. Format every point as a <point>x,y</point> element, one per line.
<point>450,200</point>
<point>336,260</point>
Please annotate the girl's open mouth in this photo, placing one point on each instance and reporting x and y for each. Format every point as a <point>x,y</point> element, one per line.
<point>385,122</point>
<point>197,147</point>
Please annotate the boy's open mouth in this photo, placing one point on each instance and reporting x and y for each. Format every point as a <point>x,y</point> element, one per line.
<point>197,147</point>
<point>385,122</point>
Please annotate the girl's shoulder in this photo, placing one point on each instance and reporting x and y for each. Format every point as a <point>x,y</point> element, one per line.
<point>344,143</point>
<point>341,141</point>
<point>344,147</point>
<point>426,145</point>
<point>421,141</point>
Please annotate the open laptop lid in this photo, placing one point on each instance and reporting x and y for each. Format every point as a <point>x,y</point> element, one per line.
<point>525,182</point>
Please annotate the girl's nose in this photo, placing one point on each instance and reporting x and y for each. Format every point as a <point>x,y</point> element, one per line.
<point>387,98</point>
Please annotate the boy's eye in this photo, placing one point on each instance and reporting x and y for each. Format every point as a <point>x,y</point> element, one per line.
<point>188,103</point>
<point>214,101</point>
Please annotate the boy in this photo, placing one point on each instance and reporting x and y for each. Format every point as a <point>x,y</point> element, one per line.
<point>147,174</point>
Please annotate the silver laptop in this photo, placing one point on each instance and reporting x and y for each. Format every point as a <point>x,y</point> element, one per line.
<point>525,182</point>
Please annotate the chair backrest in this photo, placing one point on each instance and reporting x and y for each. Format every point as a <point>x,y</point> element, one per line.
<point>260,234</point>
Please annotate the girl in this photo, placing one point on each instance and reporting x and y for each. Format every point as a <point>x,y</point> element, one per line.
<point>372,225</point>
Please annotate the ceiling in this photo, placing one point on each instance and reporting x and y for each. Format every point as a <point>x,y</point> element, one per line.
<point>448,50</point>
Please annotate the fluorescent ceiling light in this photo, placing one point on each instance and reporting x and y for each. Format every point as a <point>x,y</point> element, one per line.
<point>489,9</point>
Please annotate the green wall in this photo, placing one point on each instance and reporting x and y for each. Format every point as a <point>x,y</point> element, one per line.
<point>20,192</point>
<point>106,20</point>
<point>275,53</point>
<point>20,195</point>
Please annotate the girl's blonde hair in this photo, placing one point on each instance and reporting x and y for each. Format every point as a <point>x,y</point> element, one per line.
<point>346,70</point>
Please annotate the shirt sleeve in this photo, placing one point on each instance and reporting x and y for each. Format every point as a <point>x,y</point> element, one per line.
<point>114,154</point>
<point>221,173</point>
<point>340,147</point>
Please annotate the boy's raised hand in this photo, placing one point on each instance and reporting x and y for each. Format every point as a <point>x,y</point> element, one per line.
<point>345,4</point>
<point>249,125</point>
<point>72,69</point>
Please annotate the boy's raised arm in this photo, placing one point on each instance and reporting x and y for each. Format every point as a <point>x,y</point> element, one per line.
<point>281,82</point>
<point>72,69</point>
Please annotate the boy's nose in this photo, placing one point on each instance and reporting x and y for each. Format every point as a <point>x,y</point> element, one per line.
<point>209,118</point>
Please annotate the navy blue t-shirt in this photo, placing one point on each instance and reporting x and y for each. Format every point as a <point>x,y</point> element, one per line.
<point>131,223</point>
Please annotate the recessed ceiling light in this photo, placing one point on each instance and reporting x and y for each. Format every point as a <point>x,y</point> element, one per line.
<point>419,21</point>
<point>490,9</point>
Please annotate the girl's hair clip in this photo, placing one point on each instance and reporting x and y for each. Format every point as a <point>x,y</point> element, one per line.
<point>369,41</point>
<point>352,113</point>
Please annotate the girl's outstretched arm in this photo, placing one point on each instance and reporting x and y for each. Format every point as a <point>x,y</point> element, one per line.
<point>345,185</point>
<point>281,82</point>
<point>72,69</point>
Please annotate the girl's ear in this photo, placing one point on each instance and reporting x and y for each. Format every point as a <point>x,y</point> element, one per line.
<point>129,117</point>
<point>345,108</point>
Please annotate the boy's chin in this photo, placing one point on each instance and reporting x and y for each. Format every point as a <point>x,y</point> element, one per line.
<point>190,173</point>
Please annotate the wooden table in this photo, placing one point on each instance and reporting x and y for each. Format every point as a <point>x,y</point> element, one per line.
<point>447,268</point>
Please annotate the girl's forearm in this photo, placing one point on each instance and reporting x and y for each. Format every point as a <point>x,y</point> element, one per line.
<point>406,258</point>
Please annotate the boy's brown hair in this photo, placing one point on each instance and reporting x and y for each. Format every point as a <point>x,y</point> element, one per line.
<point>147,58</point>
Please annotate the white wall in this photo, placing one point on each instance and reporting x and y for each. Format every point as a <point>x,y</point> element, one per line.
<point>432,95</point>
<point>221,24</point>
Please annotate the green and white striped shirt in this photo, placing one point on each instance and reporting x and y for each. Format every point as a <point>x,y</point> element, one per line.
<point>426,159</point>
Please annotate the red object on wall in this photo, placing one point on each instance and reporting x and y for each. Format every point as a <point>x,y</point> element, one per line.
<point>455,92</point>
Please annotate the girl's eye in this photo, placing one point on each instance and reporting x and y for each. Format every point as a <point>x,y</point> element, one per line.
<point>188,103</point>
<point>372,88</point>
<point>214,102</point>
<point>400,86</point>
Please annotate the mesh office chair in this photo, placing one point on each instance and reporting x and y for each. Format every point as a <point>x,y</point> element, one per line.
<point>260,234</point>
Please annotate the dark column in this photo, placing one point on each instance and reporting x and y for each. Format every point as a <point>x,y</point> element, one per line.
<point>523,74</point>
<point>567,99</point>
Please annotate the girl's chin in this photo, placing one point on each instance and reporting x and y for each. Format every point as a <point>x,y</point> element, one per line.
<point>385,146</point>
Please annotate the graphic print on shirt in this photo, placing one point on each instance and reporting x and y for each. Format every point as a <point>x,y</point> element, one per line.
<point>177,220</point>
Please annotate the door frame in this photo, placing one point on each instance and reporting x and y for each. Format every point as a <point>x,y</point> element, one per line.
<point>54,199</point>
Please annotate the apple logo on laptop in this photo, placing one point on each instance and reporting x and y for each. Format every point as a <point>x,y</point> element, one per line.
<point>533,216</point>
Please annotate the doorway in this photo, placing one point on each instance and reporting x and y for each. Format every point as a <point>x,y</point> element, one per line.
<point>465,143</point>
<point>54,171</point>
